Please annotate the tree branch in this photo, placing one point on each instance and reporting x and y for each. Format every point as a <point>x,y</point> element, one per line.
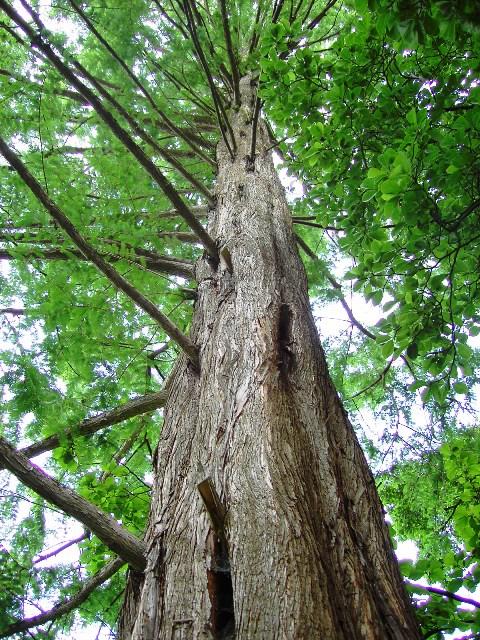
<point>136,407</point>
<point>166,120</point>
<point>231,54</point>
<point>322,14</point>
<point>179,235</point>
<point>65,606</point>
<point>55,552</point>
<point>162,264</point>
<point>119,281</point>
<point>173,22</point>
<point>106,528</point>
<point>199,212</point>
<point>12,311</point>
<point>253,141</point>
<point>445,593</point>
<point>119,132</point>
<point>337,286</point>
<point>378,379</point>
<point>222,118</point>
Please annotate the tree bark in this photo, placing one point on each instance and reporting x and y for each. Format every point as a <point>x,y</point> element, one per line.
<point>298,547</point>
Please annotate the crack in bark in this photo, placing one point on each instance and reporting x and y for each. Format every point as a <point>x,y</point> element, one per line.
<point>285,354</point>
<point>220,589</point>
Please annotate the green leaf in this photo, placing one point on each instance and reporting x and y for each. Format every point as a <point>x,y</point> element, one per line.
<point>460,387</point>
<point>387,349</point>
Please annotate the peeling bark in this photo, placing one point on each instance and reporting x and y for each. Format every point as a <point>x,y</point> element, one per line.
<point>304,549</point>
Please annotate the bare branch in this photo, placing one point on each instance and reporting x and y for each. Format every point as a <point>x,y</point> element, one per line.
<point>222,117</point>
<point>179,235</point>
<point>379,378</point>
<point>336,285</point>
<point>194,97</point>
<point>160,264</point>
<point>65,606</point>
<point>199,212</point>
<point>255,30</point>
<point>253,142</point>
<point>106,528</point>
<point>164,152</point>
<point>322,14</point>
<point>55,552</point>
<point>277,9</point>
<point>173,22</point>
<point>119,281</point>
<point>12,311</point>
<point>308,221</point>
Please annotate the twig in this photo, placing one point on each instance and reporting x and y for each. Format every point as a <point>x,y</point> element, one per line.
<point>443,592</point>
<point>336,285</point>
<point>374,382</point>
<point>58,550</point>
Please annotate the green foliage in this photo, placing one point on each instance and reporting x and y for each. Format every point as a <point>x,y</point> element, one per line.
<point>436,502</point>
<point>387,139</point>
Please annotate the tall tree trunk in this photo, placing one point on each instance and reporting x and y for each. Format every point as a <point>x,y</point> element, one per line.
<point>306,552</point>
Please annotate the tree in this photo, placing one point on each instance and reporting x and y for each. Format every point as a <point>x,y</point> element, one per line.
<point>138,158</point>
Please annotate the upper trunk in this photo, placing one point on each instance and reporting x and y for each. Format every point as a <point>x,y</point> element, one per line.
<point>306,552</point>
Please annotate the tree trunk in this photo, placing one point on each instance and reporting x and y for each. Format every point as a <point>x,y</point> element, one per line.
<point>305,551</point>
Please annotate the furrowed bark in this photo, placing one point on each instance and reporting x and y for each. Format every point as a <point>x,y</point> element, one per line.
<point>115,537</point>
<point>89,252</point>
<point>64,607</point>
<point>136,407</point>
<point>120,133</point>
<point>298,547</point>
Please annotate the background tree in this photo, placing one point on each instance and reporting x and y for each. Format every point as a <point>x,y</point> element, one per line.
<point>113,128</point>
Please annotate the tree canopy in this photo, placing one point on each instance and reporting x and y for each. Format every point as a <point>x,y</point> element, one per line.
<point>110,115</point>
